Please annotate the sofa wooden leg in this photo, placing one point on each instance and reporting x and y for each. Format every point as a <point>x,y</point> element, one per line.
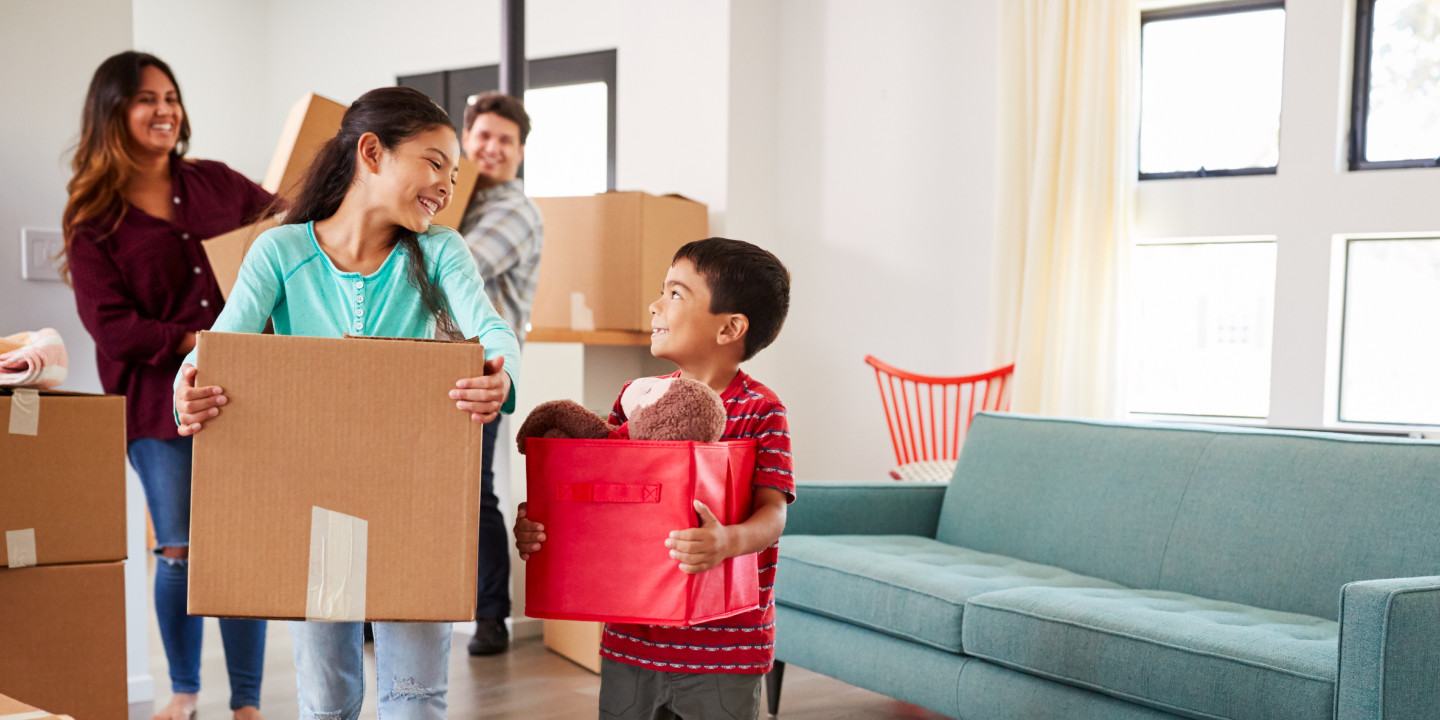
<point>772,687</point>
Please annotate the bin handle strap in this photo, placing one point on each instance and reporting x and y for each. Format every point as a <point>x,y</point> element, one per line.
<point>608,493</point>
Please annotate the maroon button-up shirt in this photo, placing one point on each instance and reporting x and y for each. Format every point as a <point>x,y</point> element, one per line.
<point>141,288</point>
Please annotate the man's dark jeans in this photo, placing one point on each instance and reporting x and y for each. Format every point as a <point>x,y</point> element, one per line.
<point>492,596</point>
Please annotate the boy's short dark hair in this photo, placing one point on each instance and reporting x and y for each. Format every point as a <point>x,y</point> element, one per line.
<point>506,106</point>
<point>745,279</point>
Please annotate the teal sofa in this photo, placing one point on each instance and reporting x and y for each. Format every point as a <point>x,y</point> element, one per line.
<point>1077,569</point>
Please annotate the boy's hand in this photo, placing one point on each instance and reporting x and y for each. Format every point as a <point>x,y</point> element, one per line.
<point>528,534</point>
<point>195,405</point>
<point>483,396</point>
<point>702,548</point>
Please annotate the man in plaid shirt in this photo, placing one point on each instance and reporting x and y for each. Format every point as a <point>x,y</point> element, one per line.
<point>504,232</point>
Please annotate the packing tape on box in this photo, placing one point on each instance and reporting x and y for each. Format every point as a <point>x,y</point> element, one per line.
<point>25,412</point>
<point>582,318</point>
<point>20,549</point>
<point>336,590</point>
<point>32,715</point>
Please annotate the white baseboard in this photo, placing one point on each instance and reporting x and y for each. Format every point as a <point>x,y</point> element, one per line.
<point>521,628</point>
<point>142,688</point>
<point>526,627</point>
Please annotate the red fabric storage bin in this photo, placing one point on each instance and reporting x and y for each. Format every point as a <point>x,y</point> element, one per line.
<point>608,506</point>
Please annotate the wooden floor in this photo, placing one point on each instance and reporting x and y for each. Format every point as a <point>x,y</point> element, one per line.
<point>527,683</point>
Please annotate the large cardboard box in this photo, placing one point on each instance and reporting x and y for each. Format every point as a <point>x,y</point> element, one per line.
<point>226,252</point>
<point>606,255</point>
<point>62,488</point>
<point>339,483</point>
<point>313,120</point>
<point>62,639</point>
<point>576,641</point>
<point>10,707</point>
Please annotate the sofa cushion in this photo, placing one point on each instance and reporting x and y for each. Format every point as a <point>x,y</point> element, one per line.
<point>1184,654</point>
<point>903,585</point>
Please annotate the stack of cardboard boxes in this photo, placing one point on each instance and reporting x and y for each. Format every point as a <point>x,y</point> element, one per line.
<point>62,585</point>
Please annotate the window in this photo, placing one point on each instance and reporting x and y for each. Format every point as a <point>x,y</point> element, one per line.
<point>567,151</point>
<point>1390,342</point>
<point>1395,118</point>
<point>1200,325</point>
<point>571,102</point>
<point>1210,90</point>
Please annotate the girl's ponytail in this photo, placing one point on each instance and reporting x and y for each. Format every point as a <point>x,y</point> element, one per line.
<point>393,114</point>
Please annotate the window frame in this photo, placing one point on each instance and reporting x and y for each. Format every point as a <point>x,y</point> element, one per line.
<point>452,88</point>
<point>1360,98</point>
<point>1186,12</point>
<point>1339,420</point>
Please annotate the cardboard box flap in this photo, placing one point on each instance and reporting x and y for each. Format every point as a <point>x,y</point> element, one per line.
<point>10,707</point>
<point>312,121</point>
<point>226,252</point>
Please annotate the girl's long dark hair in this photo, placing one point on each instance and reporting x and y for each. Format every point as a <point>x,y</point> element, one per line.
<point>394,114</point>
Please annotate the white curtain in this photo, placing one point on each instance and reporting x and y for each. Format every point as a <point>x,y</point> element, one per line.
<point>1068,147</point>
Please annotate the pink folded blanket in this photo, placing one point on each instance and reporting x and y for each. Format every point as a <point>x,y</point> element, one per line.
<point>33,359</point>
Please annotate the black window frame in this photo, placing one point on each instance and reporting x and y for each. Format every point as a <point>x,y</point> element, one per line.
<point>1186,12</point>
<point>1360,97</point>
<point>452,88</point>
<point>1345,324</point>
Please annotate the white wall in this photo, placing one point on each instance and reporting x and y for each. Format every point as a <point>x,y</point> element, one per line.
<point>885,209</point>
<point>48,51</point>
<point>220,54</point>
<point>1310,201</point>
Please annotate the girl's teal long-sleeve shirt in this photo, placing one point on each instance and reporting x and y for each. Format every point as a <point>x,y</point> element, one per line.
<point>287,278</point>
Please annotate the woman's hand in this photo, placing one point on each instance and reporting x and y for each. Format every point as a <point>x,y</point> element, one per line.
<point>195,405</point>
<point>483,396</point>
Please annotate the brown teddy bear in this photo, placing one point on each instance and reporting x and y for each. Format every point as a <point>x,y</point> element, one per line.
<point>657,408</point>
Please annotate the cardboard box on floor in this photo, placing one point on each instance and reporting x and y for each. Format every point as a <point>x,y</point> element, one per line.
<point>62,478</point>
<point>10,707</point>
<point>312,121</point>
<point>576,641</point>
<point>62,631</point>
<point>606,255</point>
<point>339,483</point>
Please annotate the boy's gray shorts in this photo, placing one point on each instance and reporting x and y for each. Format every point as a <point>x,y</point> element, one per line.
<point>628,692</point>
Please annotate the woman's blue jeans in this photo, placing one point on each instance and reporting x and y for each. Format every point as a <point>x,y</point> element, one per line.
<point>164,469</point>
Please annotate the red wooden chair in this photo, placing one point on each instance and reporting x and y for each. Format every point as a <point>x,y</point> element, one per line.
<point>929,416</point>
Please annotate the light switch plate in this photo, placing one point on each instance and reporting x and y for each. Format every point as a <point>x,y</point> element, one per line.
<point>39,250</point>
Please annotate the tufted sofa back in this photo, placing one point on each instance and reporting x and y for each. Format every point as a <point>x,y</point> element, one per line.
<point>1279,520</point>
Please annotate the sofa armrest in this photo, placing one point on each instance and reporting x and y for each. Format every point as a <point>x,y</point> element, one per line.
<point>865,508</point>
<point>1389,649</point>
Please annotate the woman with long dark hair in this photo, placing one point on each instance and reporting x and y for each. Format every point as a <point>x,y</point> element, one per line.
<point>137,212</point>
<point>359,256</point>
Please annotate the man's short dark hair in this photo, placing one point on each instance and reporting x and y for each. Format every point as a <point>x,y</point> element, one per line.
<point>506,106</point>
<point>745,279</point>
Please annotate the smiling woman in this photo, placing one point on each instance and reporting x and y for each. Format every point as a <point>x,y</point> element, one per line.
<point>136,214</point>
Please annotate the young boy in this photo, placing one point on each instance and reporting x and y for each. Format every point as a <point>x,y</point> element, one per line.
<point>723,301</point>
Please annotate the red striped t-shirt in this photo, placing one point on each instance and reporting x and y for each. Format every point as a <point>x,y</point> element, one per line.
<point>743,643</point>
